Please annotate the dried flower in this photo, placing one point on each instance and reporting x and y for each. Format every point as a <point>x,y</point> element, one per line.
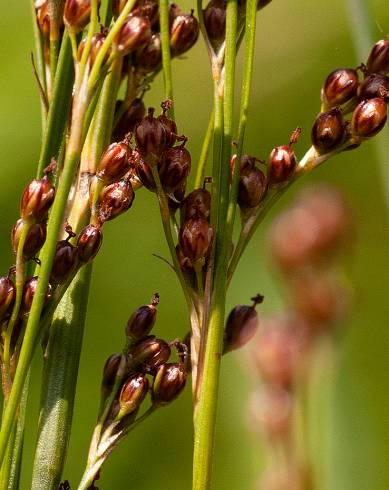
<point>89,242</point>
<point>282,162</point>
<point>7,296</point>
<point>142,320</point>
<point>77,14</point>
<point>133,393</point>
<point>197,203</point>
<point>151,137</point>
<point>328,130</point>
<point>149,353</point>
<point>169,381</point>
<point>148,58</point>
<point>340,86</point>
<point>114,162</point>
<point>65,260</point>
<point>375,86</point>
<point>184,32</point>
<point>169,125</point>
<point>195,239</point>
<point>36,200</point>
<point>215,21</point>
<point>378,61</point>
<point>115,199</point>
<point>174,167</point>
<point>136,32</point>
<point>35,239</point>
<point>369,117</point>
<point>252,183</point>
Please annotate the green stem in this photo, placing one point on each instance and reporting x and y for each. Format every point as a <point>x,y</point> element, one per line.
<point>166,55</point>
<point>201,167</point>
<point>59,106</point>
<point>59,383</point>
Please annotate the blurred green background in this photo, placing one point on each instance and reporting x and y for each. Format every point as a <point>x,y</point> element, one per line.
<point>299,42</point>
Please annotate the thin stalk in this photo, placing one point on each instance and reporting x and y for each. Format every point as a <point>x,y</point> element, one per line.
<point>201,167</point>
<point>166,56</point>
<point>59,383</point>
<point>59,106</point>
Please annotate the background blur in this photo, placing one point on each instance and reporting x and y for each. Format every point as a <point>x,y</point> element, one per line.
<point>299,42</point>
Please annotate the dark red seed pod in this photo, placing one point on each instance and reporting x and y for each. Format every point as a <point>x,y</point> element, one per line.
<point>7,296</point>
<point>149,58</point>
<point>174,167</point>
<point>115,199</point>
<point>43,19</point>
<point>176,197</point>
<point>169,381</point>
<point>142,320</point>
<point>375,86</point>
<point>149,353</point>
<point>215,21</point>
<point>328,131</point>
<point>149,9</point>
<point>36,237</point>
<point>77,14</point>
<point>36,200</point>
<point>169,125</point>
<point>184,32</point>
<point>127,122</point>
<point>89,242</point>
<point>110,372</point>
<point>133,393</point>
<point>97,41</point>
<point>340,86</point>
<point>114,162</point>
<point>378,61</point>
<point>252,185</point>
<point>197,203</point>
<point>241,326</point>
<point>151,137</point>
<point>29,291</point>
<point>369,117</point>
<point>281,165</point>
<point>65,260</point>
<point>195,239</point>
<point>136,32</point>
<point>143,172</point>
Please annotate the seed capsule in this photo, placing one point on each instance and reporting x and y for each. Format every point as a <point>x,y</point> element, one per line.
<point>375,86</point>
<point>378,61</point>
<point>111,370</point>
<point>241,326</point>
<point>149,353</point>
<point>97,41</point>
<point>132,394</point>
<point>127,122</point>
<point>369,117</point>
<point>89,242</point>
<point>77,14</point>
<point>151,137</point>
<point>169,125</point>
<point>215,21</point>
<point>115,199</point>
<point>328,130</point>
<point>114,162</point>
<point>7,296</point>
<point>29,291</point>
<point>136,32</point>
<point>174,167</point>
<point>169,381</point>
<point>340,86</point>
<point>195,239</point>
<point>65,260</point>
<point>143,171</point>
<point>36,200</point>
<point>282,162</point>
<point>149,58</point>
<point>197,203</point>
<point>252,183</point>
<point>184,32</point>
<point>36,237</point>
<point>142,320</point>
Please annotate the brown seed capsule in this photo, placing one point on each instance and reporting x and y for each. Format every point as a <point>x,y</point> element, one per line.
<point>35,239</point>
<point>97,41</point>
<point>282,163</point>
<point>174,167</point>
<point>65,260</point>
<point>340,86</point>
<point>149,353</point>
<point>215,21</point>
<point>131,117</point>
<point>151,137</point>
<point>136,32</point>
<point>328,130</point>
<point>77,14</point>
<point>252,183</point>
<point>43,19</point>
<point>378,61</point>
<point>29,291</point>
<point>115,199</point>
<point>143,172</point>
<point>7,296</point>
<point>241,326</point>
<point>184,32</point>
<point>36,200</point>
<point>176,197</point>
<point>110,372</point>
<point>142,320</point>
<point>169,381</point>
<point>197,203</point>
<point>375,86</point>
<point>133,393</point>
<point>149,58</point>
<point>195,239</point>
<point>149,9</point>
<point>89,242</point>
<point>169,125</point>
<point>114,162</point>
<point>369,117</point>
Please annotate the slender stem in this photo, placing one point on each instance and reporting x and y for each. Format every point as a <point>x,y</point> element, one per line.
<point>166,56</point>
<point>201,167</point>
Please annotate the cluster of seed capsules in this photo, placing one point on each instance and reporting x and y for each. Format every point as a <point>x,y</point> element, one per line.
<point>366,99</point>
<point>305,242</point>
<point>125,383</point>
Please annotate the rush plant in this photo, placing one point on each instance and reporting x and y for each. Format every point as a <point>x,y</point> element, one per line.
<point>94,63</point>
